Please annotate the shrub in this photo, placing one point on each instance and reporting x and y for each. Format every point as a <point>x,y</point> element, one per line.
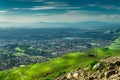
<point>92,63</point>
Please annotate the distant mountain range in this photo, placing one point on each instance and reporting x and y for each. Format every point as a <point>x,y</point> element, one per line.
<point>87,24</point>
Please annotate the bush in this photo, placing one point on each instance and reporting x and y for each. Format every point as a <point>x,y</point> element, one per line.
<point>92,63</point>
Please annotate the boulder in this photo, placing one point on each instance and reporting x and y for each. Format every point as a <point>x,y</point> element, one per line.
<point>117,63</point>
<point>98,66</point>
<point>101,75</point>
<point>91,78</point>
<point>84,74</point>
<point>69,76</point>
<point>75,75</point>
<point>109,73</point>
<point>111,66</point>
<point>115,77</point>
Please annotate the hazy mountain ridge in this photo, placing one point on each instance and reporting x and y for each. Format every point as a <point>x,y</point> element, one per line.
<point>95,24</point>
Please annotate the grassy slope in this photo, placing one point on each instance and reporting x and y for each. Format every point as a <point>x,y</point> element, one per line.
<point>116,44</point>
<point>52,68</point>
<point>56,67</point>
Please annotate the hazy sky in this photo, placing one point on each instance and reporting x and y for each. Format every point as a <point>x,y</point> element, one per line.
<point>59,10</point>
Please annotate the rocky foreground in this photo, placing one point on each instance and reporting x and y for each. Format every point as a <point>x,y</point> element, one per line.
<point>105,69</point>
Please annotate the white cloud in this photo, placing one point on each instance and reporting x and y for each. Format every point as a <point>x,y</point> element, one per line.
<point>3,11</point>
<point>40,8</point>
<point>39,14</point>
<point>56,4</point>
<point>68,8</point>
<point>30,0</point>
<point>105,6</point>
<point>50,7</point>
<point>38,0</point>
<point>16,8</point>
<point>92,5</point>
<point>70,16</point>
<point>110,7</point>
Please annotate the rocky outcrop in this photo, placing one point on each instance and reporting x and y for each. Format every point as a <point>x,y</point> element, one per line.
<point>106,69</point>
<point>98,66</point>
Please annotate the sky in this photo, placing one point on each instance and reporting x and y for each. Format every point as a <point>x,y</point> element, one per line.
<point>70,11</point>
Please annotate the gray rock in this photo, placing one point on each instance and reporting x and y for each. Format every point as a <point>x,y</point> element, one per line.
<point>98,66</point>
<point>101,75</point>
<point>75,75</point>
<point>111,66</point>
<point>117,63</point>
<point>109,73</point>
<point>69,76</point>
<point>91,78</point>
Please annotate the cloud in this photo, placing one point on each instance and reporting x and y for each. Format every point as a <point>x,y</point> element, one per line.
<point>3,11</point>
<point>50,7</point>
<point>92,5</point>
<point>29,0</point>
<point>16,8</point>
<point>47,5</point>
<point>21,0</point>
<point>56,3</point>
<point>70,16</point>
<point>40,14</point>
<point>108,7</point>
<point>40,8</point>
<point>111,7</point>
<point>69,8</point>
<point>38,0</point>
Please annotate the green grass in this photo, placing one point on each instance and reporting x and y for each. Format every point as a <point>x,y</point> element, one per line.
<point>19,49</point>
<point>92,63</point>
<point>116,44</point>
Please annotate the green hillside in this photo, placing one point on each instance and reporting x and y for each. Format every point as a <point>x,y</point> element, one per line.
<point>59,66</point>
<point>116,44</point>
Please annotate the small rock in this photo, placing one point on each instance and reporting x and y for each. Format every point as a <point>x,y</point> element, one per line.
<point>117,63</point>
<point>91,78</point>
<point>84,74</point>
<point>64,78</point>
<point>109,73</point>
<point>69,76</point>
<point>98,66</point>
<point>114,76</point>
<point>22,65</point>
<point>101,75</point>
<point>81,78</point>
<point>111,66</point>
<point>75,75</point>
